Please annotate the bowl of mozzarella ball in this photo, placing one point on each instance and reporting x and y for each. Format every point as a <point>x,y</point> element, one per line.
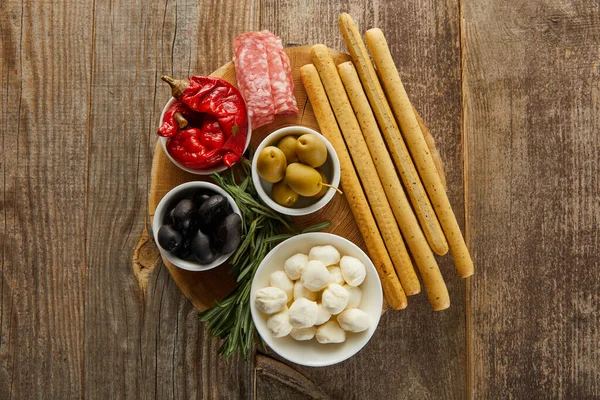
<point>316,299</point>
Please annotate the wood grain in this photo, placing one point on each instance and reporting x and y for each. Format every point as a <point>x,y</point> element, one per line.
<point>44,122</point>
<point>532,109</point>
<point>78,108</point>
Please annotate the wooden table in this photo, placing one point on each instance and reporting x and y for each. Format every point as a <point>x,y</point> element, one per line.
<point>511,93</point>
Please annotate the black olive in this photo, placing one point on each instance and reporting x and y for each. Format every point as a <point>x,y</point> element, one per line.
<point>201,196</point>
<point>229,233</point>
<point>168,238</point>
<point>213,210</point>
<point>203,249</point>
<point>185,251</point>
<point>183,214</point>
<point>168,220</point>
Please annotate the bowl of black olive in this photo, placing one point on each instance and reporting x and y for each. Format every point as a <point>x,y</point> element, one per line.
<point>197,226</point>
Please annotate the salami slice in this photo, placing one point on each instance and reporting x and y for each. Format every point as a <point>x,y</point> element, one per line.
<point>252,71</point>
<point>264,77</point>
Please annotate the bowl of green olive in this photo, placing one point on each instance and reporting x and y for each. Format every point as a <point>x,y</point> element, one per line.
<point>296,171</point>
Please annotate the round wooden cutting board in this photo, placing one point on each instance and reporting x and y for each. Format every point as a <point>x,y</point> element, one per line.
<point>203,288</point>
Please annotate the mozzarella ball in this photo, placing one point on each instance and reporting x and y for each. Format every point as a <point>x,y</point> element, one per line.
<point>303,313</point>
<point>300,292</point>
<point>322,315</point>
<point>270,300</point>
<point>279,324</point>
<point>303,333</point>
<point>328,254</point>
<point>354,320</point>
<point>280,280</point>
<point>315,276</point>
<point>353,271</point>
<point>294,265</point>
<point>335,275</point>
<point>355,296</point>
<point>335,298</point>
<point>331,332</point>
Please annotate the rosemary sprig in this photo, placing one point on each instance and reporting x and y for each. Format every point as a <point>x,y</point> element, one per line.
<point>230,319</point>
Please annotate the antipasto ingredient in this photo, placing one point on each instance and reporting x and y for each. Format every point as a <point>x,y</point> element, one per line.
<point>334,299</point>
<point>330,332</point>
<point>270,300</point>
<point>294,265</point>
<point>391,132</point>
<point>280,280</point>
<point>322,315</point>
<point>300,292</point>
<point>271,164</point>
<point>365,167</point>
<point>354,194</point>
<point>213,210</point>
<point>304,180</point>
<point>279,324</point>
<point>224,129</point>
<point>335,275</point>
<point>327,254</point>
<point>324,186</point>
<point>354,320</point>
<point>311,151</point>
<point>203,249</point>
<point>302,334</point>
<point>169,238</point>
<point>353,271</point>
<point>419,150</point>
<point>303,313</point>
<point>315,275</point>
<point>283,194</point>
<point>229,233</point>
<point>288,146</point>
<point>354,296</point>
<point>264,77</point>
<point>416,241</point>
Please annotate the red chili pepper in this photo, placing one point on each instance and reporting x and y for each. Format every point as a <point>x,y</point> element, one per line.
<point>170,126</point>
<point>217,97</point>
<point>187,148</point>
<point>212,136</point>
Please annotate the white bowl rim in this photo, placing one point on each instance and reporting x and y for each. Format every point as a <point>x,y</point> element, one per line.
<point>335,181</point>
<point>159,215</point>
<point>266,336</point>
<point>204,171</point>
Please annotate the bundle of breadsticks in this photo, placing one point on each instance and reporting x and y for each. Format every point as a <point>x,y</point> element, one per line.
<point>365,113</point>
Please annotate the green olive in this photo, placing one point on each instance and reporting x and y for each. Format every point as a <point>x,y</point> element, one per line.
<point>283,194</point>
<point>324,188</point>
<point>288,146</point>
<point>303,179</point>
<point>271,164</point>
<point>311,151</point>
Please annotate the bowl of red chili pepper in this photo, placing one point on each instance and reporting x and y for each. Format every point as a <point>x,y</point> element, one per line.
<point>204,128</point>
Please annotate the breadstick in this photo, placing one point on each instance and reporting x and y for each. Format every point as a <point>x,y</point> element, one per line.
<point>418,148</point>
<point>366,168</point>
<point>352,190</point>
<point>419,248</point>
<point>435,155</point>
<point>414,187</point>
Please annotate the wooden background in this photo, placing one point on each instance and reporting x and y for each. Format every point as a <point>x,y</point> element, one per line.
<point>509,89</point>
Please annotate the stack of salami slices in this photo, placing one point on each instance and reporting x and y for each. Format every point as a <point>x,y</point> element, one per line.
<point>264,77</point>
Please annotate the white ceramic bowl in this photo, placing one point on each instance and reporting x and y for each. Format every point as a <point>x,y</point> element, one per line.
<point>170,200</point>
<point>312,353</point>
<point>305,205</point>
<point>203,171</point>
